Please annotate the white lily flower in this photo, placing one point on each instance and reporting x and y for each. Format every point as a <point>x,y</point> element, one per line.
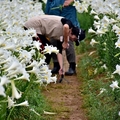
<point>97,24</point>
<point>45,1</point>
<point>93,12</point>
<point>9,46</point>
<point>34,70</point>
<point>92,42</point>
<point>50,49</point>
<point>25,56</point>
<point>112,21</point>
<point>54,79</point>
<point>117,44</point>
<point>102,90</point>
<point>13,65</point>
<point>2,40</point>
<point>42,62</point>
<point>96,17</point>
<point>117,69</point>
<point>37,44</point>
<point>4,80</point>
<point>101,31</point>
<point>10,102</point>
<point>2,91</point>
<point>44,69</point>
<point>114,85</point>
<point>119,113</point>
<point>23,43</point>
<point>31,32</point>
<point>9,58</point>
<point>15,93</point>
<point>25,103</point>
<point>14,72</point>
<point>116,29</point>
<point>2,51</point>
<point>91,31</point>
<point>45,77</point>
<point>4,54</point>
<point>104,66</point>
<point>25,76</point>
<point>49,79</point>
<point>32,64</point>
<point>105,19</point>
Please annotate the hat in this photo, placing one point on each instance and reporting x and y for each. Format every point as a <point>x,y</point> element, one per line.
<point>81,36</point>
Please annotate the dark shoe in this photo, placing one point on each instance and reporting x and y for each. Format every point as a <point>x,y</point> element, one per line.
<point>56,68</point>
<point>70,72</point>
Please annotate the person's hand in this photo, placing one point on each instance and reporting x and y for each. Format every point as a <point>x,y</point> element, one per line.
<point>67,3</point>
<point>65,45</point>
<point>61,71</point>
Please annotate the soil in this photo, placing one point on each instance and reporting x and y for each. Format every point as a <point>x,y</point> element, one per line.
<point>65,97</point>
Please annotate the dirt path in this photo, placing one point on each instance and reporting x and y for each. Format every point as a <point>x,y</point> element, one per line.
<point>65,98</point>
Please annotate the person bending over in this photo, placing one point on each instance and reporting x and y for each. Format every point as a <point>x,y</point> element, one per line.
<point>58,28</point>
<point>69,12</point>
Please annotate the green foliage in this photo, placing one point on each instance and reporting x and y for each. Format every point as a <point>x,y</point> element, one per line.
<point>107,51</point>
<point>104,106</point>
<point>85,20</point>
<point>37,102</point>
<point>82,48</point>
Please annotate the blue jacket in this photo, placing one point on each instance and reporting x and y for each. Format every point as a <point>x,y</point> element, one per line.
<point>68,12</point>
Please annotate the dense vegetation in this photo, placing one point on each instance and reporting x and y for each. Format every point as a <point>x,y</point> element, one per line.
<point>99,64</point>
<point>99,67</point>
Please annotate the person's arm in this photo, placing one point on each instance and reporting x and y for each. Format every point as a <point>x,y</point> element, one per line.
<point>65,36</point>
<point>67,2</point>
<point>60,60</point>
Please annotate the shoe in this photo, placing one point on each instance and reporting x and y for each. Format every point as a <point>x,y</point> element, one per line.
<point>71,70</point>
<point>56,68</point>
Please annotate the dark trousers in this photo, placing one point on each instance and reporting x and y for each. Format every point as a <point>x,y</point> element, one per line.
<point>70,52</point>
<point>44,42</point>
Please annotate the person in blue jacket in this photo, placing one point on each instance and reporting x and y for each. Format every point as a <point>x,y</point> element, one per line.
<point>65,9</point>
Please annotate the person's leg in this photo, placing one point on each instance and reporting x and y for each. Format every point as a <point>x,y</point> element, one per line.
<point>56,66</point>
<point>71,57</point>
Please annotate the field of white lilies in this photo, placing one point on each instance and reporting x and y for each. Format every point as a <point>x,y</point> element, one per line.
<point>20,59</point>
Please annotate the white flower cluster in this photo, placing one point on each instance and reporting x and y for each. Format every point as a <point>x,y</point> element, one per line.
<point>82,5</point>
<point>110,11</point>
<point>18,50</point>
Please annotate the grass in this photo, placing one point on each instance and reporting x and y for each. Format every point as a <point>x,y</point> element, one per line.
<point>103,106</point>
<point>99,107</point>
<point>85,20</point>
<point>37,102</point>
